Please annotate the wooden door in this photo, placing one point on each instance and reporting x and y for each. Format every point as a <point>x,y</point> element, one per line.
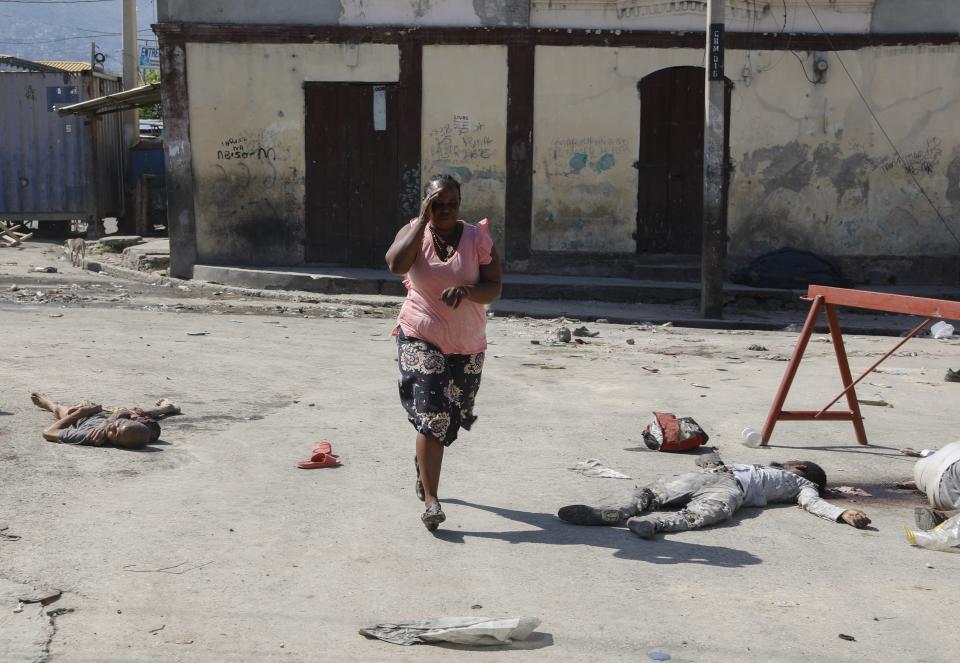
<point>352,174</point>
<point>670,165</point>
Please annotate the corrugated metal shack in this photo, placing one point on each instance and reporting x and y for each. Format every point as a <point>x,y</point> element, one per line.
<point>55,168</point>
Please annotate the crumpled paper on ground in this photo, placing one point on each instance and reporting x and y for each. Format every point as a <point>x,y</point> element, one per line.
<point>460,630</point>
<point>592,467</point>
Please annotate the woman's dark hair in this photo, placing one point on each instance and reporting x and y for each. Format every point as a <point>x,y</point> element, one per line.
<point>440,182</point>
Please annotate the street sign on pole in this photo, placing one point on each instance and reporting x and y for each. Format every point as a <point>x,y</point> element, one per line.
<point>149,55</point>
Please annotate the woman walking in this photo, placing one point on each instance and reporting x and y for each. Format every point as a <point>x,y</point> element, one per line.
<point>452,270</point>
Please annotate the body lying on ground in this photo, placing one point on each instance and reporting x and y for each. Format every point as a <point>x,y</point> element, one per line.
<point>96,425</point>
<point>937,476</point>
<point>713,495</point>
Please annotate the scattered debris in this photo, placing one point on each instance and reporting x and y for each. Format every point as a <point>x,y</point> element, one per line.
<point>593,468</point>
<point>55,315</point>
<point>583,331</point>
<point>476,606</point>
<point>952,376</point>
<point>56,612</point>
<point>941,329</point>
<point>198,333</point>
<point>775,357</point>
<point>848,638</point>
<point>602,321</point>
<point>851,490</point>
<point>699,386</point>
<point>658,656</point>
<point>786,604</point>
<point>563,335</point>
<point>7,537</point>
<point>667,324</point>
<point>45,270</point>
<point>877,402</point>
<point>43,596</point>
<point>14,288</point>
<point>652,370</point>
<point>669,434</point>
<point>923,453</point>
<point>154,631</point>
<point>176,569</point>
<point>630,341</point>
<point>751,438</point>
<point>184,642</point>
<point>19,607</point>
<point>460,630</point>
<point>944,538</point>
<point>757,348</point>
<point>534,341</point>
<point>792,328</point>
<point>548,367</point>
<point>12,235</point>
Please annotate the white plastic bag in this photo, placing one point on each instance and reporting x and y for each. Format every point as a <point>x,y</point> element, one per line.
<point>460,630</point>
<point>591,467</point>
<point>944,537</point>
<point>941,329</point>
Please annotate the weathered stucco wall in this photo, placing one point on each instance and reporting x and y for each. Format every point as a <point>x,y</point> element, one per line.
<point>247,134</point>
<point>585,140</point>
<point>741,15</point>
<point>347,12</point>
<point>464,126</point>
<point>813,170</point>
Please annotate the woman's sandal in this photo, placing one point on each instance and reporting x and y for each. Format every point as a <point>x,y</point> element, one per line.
<point>433,516</point>
<point>419,486</point>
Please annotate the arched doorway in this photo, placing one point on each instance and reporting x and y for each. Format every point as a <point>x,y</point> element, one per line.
<point>670,164</point>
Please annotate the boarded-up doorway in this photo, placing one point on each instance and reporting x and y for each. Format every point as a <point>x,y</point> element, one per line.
<point>352,174</point>
<point>670,165</point>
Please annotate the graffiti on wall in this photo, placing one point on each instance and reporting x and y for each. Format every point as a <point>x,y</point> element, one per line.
<point>240,148</point>
<point>574,155</point>
<point>460,141</point>
<point>916,162</point>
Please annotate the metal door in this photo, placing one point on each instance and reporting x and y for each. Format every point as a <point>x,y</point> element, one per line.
<point>670,164</point>
<point>352,172</point>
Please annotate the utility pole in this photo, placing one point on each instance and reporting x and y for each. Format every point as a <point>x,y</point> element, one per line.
<point>131,121</point>
<point>714,247</point>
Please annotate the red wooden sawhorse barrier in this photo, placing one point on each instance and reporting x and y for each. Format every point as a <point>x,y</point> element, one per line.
<point>827,299</point>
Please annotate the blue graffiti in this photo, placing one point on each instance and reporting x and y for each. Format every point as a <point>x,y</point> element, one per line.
<point>578,162</point>
<point>606,162</point>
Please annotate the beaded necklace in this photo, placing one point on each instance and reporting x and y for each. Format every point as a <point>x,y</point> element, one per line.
<point>444,248</point>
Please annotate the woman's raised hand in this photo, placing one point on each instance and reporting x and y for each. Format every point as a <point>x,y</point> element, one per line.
<point>426,207</point>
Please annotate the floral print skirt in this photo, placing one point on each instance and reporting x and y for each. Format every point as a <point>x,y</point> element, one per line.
<point>437,390</point>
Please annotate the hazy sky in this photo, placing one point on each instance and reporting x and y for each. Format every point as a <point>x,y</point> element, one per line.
<point>64,30</point>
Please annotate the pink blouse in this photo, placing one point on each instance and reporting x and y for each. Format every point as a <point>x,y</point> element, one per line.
<point>460,331</point>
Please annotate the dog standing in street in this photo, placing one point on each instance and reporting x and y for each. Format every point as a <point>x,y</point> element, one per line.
<point>77,249</point>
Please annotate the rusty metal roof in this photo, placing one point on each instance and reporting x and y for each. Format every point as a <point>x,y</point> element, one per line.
<point>72,66</point>
<point>145,95</point>
<point>46,66</point>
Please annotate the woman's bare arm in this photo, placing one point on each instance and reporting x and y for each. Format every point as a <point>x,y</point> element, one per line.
<point>486,291</point>
<point>406,245</point>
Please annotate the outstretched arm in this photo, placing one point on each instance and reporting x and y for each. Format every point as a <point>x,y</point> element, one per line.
<point>811,502</point>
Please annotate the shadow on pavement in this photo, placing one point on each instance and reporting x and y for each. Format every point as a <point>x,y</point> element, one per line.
<point>537,640</point>
<point>552,531</point>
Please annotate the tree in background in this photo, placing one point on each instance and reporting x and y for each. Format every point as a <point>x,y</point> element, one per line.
<point>151,112</point>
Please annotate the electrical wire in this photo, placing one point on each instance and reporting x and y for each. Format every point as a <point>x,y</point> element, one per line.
<point>803,67</point>
<point>900,158</point>
<point>51,2</point>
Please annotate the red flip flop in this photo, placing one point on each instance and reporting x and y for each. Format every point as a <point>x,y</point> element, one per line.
<point>323,447</point>
<point>317,461</point>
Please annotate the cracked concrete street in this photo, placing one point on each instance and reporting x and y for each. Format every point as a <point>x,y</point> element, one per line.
<point>213,547</point>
